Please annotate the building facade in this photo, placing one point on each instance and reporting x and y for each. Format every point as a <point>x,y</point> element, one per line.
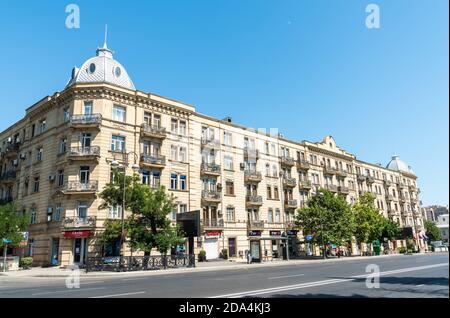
<point>247,183</point>
<point>433,212</point>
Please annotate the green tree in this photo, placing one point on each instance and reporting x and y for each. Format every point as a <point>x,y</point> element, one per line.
<point>148,226</point>
<point>368,219</point>
<point>327,218</point>
<point>432,231</point>
<point>111,233</point>
<point>12,224</point>
<point>391,229</point>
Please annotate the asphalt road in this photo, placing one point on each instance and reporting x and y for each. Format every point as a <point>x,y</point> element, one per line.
<point>421,276</point>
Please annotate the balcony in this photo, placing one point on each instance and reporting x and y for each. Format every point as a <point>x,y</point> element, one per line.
<point>361,178</point>
<point>250,153</point>
<point>305,184</point>
<point>80,187</point>
<point>6,200</point>
<point>86,121</point>
<point>412,188</point>
<point>289,182</point>
<point>329,170</point>
<point>403,187</point>
<point>84,153</point>
<point>8,176</point>
<point>343,190</point>
<point>153,161</point>
<point>287,161</point>
<point>290,204</point>
<point>402,199</point>
<point>332,188</point>
<point>387,183</point>
<point>210,169</point>
<point>210,142</point>
<point>211,196</point>
<point>212,224</point>
<point>291,225</point>
<point>341,173</point>
<point>153,131</point>
<point>12,150</point>
<point>255,225</point>
<point>252,176</point>
<point>254,200</point>
<point>370,179</point>
<point>303,165</point>
<point>79,223</point>
<point>389,197</point>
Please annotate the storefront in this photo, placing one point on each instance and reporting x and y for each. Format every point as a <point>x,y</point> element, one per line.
<point>211,244</point>
<point>267,248</point>
<point>79,245</point>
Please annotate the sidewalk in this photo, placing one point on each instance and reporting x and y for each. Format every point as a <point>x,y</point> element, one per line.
<point>39,272</point>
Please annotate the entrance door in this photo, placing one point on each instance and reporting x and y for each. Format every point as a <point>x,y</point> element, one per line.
<point>55,251</point>
<point>232,247</point>
<point>211,248</point>
<point>255,250</point>
<point>79,251</point>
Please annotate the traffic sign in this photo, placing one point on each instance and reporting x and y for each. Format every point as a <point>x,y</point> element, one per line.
<point>309,237</point>
<point>7,241</point>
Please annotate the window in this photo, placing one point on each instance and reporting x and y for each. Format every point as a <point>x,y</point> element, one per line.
<point>145,177</point>
<point>183,208</point>
<point>174,152</point>
<point>273,149</point>
<point>147,118</point>
<point>173,214</point>
<point>60,178</point>
<point>119,113</point>
<point>183,154</point>
<point>84,174</point>
<point>268,170</point>
<point>33,215</point>
<point>39,154</point>
<point>57,214</point>
<point>228,162</point>
<point>269,192</point>
<point>229,187</point>
<point>227,138</point>
<point>183,183</point>
<point>230,214</point>
<point>82,210</point>
<point>275,193</point>
<point>36,185</point>
<point>183,128</point>
<point>86,140</point>
<point>270,216</point>
<point>157,121</point>
<point>266,148</point>
<point>42,126</point>
<point>87,110</point>
<point>66,115</point>
<point>174,126</point>
<point>115,212</point>
<point>63,145</point>
<point>275,171</point>
<point>277,216</point>
<point>118,143</point>
<point>173,181</point>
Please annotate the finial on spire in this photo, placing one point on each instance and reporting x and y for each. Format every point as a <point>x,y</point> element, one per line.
<point>105,45</point>
<point>105,51</point>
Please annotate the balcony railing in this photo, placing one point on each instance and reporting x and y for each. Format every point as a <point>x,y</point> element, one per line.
<point>254,176</point>
<point>8,175</point>
<point>289,182</point>
<point>210,168</point>
<point>153,160</point>
<point>402,198</point>
<point>341,173</point>
<point>389,197</point>
<point>305,184</point>
<point>12,149</point>
<point>330,170</point>
<point>79,223</point>
<point>331,187</point>
<point>361,177</point>
<point>303,164</point>
<point>211,196</point>
<point>387,183</point>
<point>254,200</point>
<point>212,223</point>
<point>255,225</point>
<point>81,187</point>
<point>291,204</point>
<point>153,131</point>
<point>343,189</point>
<point>370,179</point>
<point>250,153</point>
<point>81,152</point>
<point>210,141</point>
<point>86,120</point>
<point>287,161</point>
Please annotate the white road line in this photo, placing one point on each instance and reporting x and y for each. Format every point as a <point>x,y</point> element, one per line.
<point>119,295</point>
<point>420,285</point>
<point>94,282</point>
<point>277,277</point>
<point>324,282</point>
<point>67,291</point>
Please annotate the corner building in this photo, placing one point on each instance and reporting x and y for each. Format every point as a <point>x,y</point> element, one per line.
<point>247,184</point>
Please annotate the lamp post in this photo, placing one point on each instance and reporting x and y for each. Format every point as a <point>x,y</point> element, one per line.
<point>135,167</point>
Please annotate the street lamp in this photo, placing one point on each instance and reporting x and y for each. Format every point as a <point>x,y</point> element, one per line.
<point>135,167</point>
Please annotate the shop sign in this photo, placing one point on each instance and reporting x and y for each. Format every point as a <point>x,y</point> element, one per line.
<point>212,234</point>
<point>254,233</point>
<point>77,234</point>
<point>275,233</point>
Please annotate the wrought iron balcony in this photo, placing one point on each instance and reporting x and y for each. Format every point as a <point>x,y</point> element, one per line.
<point>255,225</point>
<point>153,131</point>
<point>402,199</point>
<point>305,184</point>
<point>210,142</point>
<point>303,165</point>
<point>252,176</point>
<point>255,200</point>
<point>289,182</point>
<point>213,224</point>
<point>387,183</point>
<point>8,176</point>
<point>341,173</point>
<point>291,204</point>
<point>389,197</point>
<point>79,223</point>
<point>361,178</point>
<point>12,150</point>
<point>81,153</point>
<point>250,153</point>
<point>84,121</point>
<point>211,196</point>
<point>370,179</point>
<point>80,187</point>
<point>330,170</point>
<point>344,190</point>
<point>331,187</point>
<point>210,169</point>
<point>403,186</point>
<point>6,200</point>
<point>156,161</point>
<point>287,161</point>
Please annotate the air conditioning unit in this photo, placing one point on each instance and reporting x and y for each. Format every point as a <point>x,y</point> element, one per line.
<point>9,140</point>
<point>51,178</point>
<point>49,210</point>
<point>23,156</point>
<point>15,163</point>
<point>18,141</point>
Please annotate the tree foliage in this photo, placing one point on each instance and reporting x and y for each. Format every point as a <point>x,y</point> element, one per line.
<point>12,224</point>
<point>432,231</point>
<point>391,230</point>
<point>112,231</point>
<point>327,216</point>
<point>368,219</point>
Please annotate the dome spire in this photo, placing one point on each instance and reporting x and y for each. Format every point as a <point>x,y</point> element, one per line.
<point>105,45</point>
<point>105,51</point>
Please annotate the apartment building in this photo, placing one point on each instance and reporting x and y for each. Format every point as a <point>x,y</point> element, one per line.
<point>247,183</point>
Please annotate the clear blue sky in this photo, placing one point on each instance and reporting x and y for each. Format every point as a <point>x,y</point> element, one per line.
<point>311,68</point>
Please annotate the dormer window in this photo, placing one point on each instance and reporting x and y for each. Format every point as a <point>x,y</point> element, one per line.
<point>117,71</point>
<point>92,68</point>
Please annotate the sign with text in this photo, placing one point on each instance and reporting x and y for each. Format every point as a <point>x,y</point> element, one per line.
<point>254,233</point>
<point>275,233</point>
<point>77,234</point>
<point>212,234</point>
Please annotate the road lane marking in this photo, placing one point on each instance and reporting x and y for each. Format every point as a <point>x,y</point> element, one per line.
<point>420,285</point>
<point>324,282</point>
<point>67,291</point>
<point>119,295</point>
<point>277,277</point>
